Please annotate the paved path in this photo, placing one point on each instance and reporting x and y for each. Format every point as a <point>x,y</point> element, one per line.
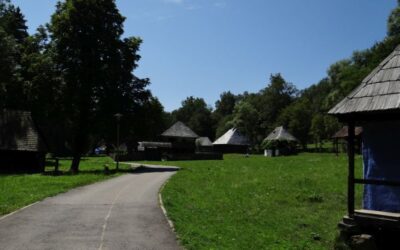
<point>121,213</point>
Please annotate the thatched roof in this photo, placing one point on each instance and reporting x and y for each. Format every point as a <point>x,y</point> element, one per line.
<point>203,142</point>
<point>280,134</point>
<point>344,132</point>
<point>179,130</point>
<point>19,133</point>
<point>232,137</point>
<point>378,92</point>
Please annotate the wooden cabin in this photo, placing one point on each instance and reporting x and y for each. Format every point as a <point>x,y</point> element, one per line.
<point>232,142</point>
<point>340,139</point>
<point>181,137</point>
<point>375,105</point>
<point>279,142</point>
<point>22,148</point>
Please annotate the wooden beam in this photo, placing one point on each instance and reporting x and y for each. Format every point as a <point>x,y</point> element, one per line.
<point>377,182</point>
<point>350,182</point>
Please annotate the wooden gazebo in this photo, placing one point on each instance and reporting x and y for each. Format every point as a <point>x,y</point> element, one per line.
<point>375,105</point>
<point>279,135</point>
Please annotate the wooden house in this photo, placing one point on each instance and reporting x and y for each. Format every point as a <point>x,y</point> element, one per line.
<point>279,142</point>
<point>340,139</point>
<point>232,142</point>
<point>22,148</point>
<point>182,138</point>
<point>375,105</point>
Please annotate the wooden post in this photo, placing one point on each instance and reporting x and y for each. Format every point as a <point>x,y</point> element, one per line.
<point>350,153</point>
<point>56,166</point>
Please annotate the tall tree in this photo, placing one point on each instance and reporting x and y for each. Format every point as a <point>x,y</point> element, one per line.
<point>245,119</point>
<point>273,99</point>
<point>393,23</point>
<point>223,112</point>
<point>96,65</point>
<point>13,32</point>
<point>197,115</point>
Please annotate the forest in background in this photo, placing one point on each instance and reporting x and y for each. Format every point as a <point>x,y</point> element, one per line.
<point>280,103</point>
<point>76,72</point>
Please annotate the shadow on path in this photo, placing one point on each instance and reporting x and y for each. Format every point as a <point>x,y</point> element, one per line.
<point>146,169</point>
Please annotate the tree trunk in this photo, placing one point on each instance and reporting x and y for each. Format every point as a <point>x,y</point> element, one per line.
<point>75,164</point>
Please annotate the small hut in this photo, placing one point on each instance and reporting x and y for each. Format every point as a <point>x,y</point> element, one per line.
<point>204,144</point>
<point>182,138</point>
<point>232,142</point>
<point>22,148</point>
<point>340,139</point>
<point>375,105</point>
<point>279,142</point>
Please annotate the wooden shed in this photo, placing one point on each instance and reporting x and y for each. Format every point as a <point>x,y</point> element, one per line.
<point>375,105</point>
<point>340,139</point>
<point>232,142</point>
<point>182,138</point>
<point>280,142</point>
<point>22,148</point>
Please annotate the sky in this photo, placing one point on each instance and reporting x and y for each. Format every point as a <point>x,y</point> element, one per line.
<point>202,48</point>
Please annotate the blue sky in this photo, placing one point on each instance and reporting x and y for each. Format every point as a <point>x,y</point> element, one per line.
<point>204,47</point>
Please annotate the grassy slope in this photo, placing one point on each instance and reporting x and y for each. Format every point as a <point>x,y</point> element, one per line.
<point>258,203</point>
<point>20,190</point>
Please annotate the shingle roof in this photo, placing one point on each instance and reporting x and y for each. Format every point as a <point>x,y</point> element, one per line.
<point>280,134</point>
<point>179,130</point>
<point>18,132</point>
<point>232,137</point>
<point>204,142</point>
<point>379,91</point>
<point>344,132</point>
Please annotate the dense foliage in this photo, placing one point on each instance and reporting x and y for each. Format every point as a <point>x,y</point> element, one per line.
<point>74,74</point>
<point>303,113</point>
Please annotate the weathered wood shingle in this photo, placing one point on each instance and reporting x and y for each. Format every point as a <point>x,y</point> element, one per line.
<point>379,91</point>
<point>19,133</point>
<point>180,130</point>
<point>280,134</point>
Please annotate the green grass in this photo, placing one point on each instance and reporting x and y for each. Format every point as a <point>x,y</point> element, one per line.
<point>259,203</point>
<point>20,190</point>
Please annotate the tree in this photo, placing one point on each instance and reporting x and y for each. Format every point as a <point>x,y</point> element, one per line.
<point>297,119</point>
<point>245,119</point>
<point>96,65</point>
<point>318,129</point>
<point>13,21</point>
<point>273,99</point>
<point>225,105</point>
<point>13,33</point>
<point>197,115</point>
<point>393,24</point>
<point>223,112</point>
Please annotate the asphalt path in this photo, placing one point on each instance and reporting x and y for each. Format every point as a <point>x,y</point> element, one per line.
<point>120,213</point>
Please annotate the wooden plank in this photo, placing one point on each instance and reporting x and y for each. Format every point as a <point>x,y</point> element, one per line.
<point>379,213</point>
<point>350,184</point>
<point>377,182</point>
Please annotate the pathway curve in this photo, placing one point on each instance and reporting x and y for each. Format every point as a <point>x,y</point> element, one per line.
<point>120,213</point>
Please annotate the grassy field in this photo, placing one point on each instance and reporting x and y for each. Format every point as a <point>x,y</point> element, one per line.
<point>22,189</point>
<point>258,203</point>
